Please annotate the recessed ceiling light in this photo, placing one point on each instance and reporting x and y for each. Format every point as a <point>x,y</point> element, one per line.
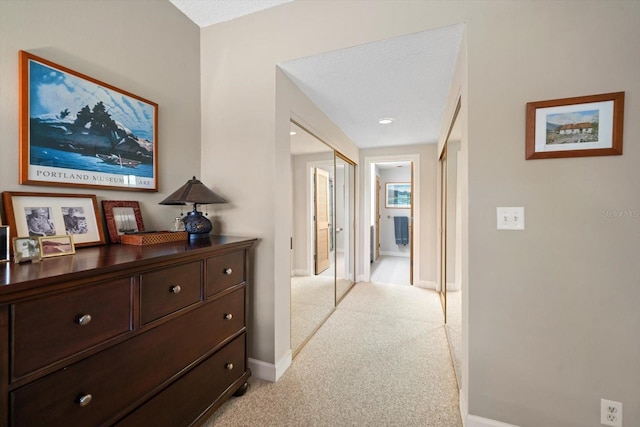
<point>385,121</point>
<point>293,133</point>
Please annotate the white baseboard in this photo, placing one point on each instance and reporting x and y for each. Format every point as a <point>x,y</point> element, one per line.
<point>362,278</point>
<point>425,284</point>
<point>464,409</point>
<point>475,421</point>
<point>269,371</point>
<point>300,273</point>
<point>391,253</point>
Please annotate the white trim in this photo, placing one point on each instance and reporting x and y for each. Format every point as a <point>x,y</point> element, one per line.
<point>464,409</point>
<point>269,371</point>
<point>301,272</point>
<point>475,421</point>
<point>425,284</point>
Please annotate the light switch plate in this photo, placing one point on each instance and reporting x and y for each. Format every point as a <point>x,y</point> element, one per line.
<point>510,218</point>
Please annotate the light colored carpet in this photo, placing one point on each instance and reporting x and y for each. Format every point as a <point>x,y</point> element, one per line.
<point>381,359</point>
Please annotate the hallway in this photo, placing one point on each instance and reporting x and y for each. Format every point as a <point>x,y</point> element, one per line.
<point>390,269</point>
<point>381,359</point>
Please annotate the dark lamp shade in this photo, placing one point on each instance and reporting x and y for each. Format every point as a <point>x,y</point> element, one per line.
<point>193,191</point>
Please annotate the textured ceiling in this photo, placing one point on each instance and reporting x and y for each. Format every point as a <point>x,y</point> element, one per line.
<point>209,12</point>
<point>406,78</point>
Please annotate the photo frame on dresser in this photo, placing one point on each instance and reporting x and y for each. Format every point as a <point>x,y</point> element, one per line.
<point>51,246</point>
<point>51,214</point>
<point>4,243</point>
<point>26,249</point>
<point>122,216</point>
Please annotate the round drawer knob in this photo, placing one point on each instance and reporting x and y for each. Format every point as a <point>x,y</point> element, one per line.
<point>84,319</point>
<point>84,400</point>
<point>228,316</point>
<point>175,289</point>
<point>228,366</point>
<point>228,271</point>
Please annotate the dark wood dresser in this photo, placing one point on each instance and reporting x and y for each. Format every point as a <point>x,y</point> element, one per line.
<point>125,335</point>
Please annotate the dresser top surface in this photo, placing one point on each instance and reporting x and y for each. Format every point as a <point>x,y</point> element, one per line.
<point>91,261</point>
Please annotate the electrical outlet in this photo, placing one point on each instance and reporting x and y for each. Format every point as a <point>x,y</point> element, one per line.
<point>610,413</point>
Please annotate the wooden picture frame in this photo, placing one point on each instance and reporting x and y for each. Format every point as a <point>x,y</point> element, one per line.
<point>50,214</point>
<point>575,127</point>
<point>397,195</point>
<point>51,246</point>
<point>4,244</point>
<point>76,131</point>
<point>26,249</point>
<point>122,217</point>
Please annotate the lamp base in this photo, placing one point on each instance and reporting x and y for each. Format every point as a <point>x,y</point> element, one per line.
<point>197,225</point>
<point>198,236</point>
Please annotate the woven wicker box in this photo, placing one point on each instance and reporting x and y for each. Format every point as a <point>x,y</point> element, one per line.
<point>154,238</point>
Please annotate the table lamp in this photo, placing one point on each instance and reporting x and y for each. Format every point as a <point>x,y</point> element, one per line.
<point>197,193</point>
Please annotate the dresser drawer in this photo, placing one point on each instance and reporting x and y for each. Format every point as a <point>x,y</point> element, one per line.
<point>127,372</point>
<point>51,328</point>
<point>224,271</point>
<point>168,290</point>
<point>175,406</point>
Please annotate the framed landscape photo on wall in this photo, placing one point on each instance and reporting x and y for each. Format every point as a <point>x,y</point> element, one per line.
<point>398,195</point>
<point>575,127</point>
<point>77,131</point>
<point>49,214</point>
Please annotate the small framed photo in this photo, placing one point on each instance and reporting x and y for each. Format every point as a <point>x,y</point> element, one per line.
<point>4,243</point>
<point>575,127</point>
<point>50,214</point>
<point>26,249</point>
<point>398,195</point>
<point>51,246</point>
<point>122,217</point>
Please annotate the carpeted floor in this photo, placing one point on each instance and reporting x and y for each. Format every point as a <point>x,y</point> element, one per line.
<point>381,359</point>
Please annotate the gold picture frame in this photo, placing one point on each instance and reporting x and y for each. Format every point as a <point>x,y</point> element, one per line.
<point>52,246</point>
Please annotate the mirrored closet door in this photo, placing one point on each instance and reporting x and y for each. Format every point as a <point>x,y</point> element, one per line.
<point>451,242</point>
<point>323,241</point>
<point>345,227</point>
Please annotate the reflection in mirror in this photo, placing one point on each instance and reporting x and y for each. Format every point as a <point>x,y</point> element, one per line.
<point>313,266</point>
<point>453,250</point>
<point>345,231</point>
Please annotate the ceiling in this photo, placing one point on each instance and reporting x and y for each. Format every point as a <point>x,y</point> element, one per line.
<point>404,78</point>
<point>209,12</point>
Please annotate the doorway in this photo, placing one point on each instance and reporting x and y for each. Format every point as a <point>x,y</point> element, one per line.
<point>391,208</point>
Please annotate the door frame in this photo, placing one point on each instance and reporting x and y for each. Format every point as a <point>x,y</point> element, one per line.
<point>365,273</point>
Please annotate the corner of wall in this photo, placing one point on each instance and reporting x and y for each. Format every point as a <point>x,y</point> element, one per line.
<point>269,371</point>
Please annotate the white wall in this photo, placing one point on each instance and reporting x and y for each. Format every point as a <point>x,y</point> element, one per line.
<point>540,303</point>
<point>123,44</point>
